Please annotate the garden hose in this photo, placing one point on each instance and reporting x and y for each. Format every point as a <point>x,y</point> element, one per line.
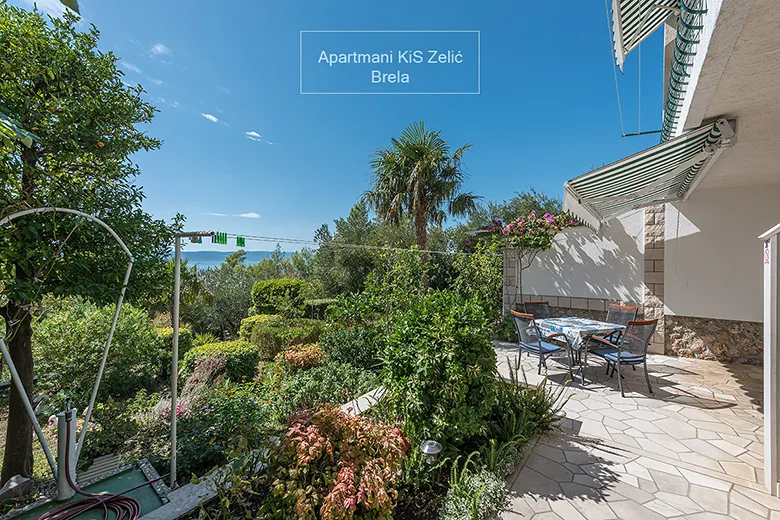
<point>123,507</point>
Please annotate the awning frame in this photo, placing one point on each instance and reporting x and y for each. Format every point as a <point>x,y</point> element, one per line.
<point>706,157</point>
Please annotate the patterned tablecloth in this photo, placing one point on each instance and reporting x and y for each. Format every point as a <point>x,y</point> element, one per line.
<point>576,329</point>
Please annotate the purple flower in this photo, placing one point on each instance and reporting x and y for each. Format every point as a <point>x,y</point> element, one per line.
<point>533,212</point>
<point>505,231</point>
<point>468,242</point>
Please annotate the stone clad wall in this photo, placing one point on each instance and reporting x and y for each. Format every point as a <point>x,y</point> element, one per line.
<point>653,304</point>
<point>727,341</point>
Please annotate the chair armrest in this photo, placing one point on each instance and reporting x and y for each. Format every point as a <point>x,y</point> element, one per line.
<point>603,340</point>
<point>556,335</point>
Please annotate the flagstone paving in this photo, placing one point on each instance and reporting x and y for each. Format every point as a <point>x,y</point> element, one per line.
<point>692,450</point>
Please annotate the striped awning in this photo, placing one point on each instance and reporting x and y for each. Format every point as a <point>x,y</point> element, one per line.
<point>634,20</point>
<point>664,173</point>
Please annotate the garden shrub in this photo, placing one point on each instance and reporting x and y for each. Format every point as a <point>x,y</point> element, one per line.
<point>248,325</point>
<point>358,345</point>
<point>204,338</point>
<point>335,383</point>
<point>272,334</point>
<point>279,296</point>
<point>210,427</point>
<point>474,494</point>
<point>209,372</point>
<point>301,357</point>
<point>165,337</point>
<point>356,331</point>
<point>68,342</point>
<point>440,369</point>
<point>524,410</point>
<point>316,309</point>
<point>334,465</point>
<point>242,358</point>
<point>480,277</point>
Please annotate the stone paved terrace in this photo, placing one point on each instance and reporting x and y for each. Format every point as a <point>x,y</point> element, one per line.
<point>691,450</point>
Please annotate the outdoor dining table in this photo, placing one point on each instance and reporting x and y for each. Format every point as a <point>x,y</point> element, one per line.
<point>578,331</point>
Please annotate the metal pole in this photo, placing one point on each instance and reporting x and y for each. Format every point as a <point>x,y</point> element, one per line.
<point>102,367</point>
<point>30,412</point>
<point>175,354</point>
<point>771,362</point>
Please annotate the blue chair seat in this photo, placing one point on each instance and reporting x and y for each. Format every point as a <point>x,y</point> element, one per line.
<point>547,348</point>
<point>611,354</point>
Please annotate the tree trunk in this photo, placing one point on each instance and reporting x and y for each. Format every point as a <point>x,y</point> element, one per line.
<point>18,459</point>
<point>421,233</point>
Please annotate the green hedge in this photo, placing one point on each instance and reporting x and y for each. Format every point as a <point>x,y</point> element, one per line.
<point>271,334</point>
<point>279,295</point>
<point>248,324</point>
<point>316,309</point>
<point>242,358</point>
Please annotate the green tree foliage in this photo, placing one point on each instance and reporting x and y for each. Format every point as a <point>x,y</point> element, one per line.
<point>228,291</point>
<point>60,87</point>
<point>418,176</point>
<point>480,277</point>
<point>487,213</point>
<point>345,258</point>
<point>68,345</point>
<point>236,258</point>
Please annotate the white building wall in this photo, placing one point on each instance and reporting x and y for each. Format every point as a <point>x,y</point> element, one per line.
<point>712,262</point>
<point>583,264</point>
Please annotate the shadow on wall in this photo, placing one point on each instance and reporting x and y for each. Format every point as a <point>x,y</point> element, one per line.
<point>713,257</point>
<point>585,264</point>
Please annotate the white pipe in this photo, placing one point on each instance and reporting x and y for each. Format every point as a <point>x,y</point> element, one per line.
<point>64,490</point>
<point>175,354</point>
<point>28,406</point>
<point>94,219</point>
<point>96,386</point>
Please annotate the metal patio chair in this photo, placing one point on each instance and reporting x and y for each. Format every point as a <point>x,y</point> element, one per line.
<point>619,315</point>
<point>533,342</point>
<point>540,310</point>
<point>631,349</point>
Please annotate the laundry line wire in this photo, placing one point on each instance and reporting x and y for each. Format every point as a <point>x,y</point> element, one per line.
<point>300,241</point>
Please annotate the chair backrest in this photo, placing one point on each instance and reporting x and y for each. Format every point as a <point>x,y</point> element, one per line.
<point>637,336</point>
<point>540,310</point>
<point>621,314</point>
<point>527,332</point>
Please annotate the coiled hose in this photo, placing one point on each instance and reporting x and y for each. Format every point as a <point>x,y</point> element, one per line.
<point>123,507</point>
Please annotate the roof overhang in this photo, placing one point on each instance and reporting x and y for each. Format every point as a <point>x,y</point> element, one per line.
<point>667,172</point>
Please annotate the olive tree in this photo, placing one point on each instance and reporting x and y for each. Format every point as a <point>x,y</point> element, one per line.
<point>59,87</point>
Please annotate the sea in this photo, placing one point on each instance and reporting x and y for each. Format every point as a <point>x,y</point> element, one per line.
<point>209,259</point>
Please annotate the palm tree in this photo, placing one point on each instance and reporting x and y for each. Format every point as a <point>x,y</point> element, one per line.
<point>418,176</point>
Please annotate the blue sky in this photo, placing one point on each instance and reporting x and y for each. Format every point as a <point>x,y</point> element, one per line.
<point>239,138</point>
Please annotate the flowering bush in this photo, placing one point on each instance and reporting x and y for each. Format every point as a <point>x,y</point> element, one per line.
<point>530,235</point>
<point>334,465</point>
<point>533,231</point>
<point>301,357</point>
